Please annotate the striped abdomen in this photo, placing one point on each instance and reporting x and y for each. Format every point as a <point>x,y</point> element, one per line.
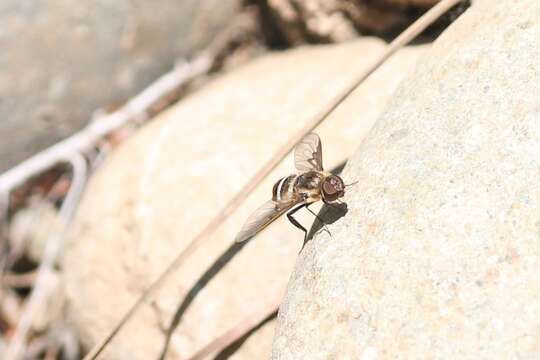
<point>283,190</point>
<point>304,186</point>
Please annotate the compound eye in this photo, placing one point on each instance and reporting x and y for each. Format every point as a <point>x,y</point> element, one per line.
<point>330,193</point>
<point>338,184</point>
<point>329,188</point>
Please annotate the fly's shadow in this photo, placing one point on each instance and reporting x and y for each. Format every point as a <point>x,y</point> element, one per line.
<point>328,214</point>
<point>208,275</point>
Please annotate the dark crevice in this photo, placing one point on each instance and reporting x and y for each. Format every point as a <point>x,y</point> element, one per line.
<point>274,30</point>
<point>272,35</point>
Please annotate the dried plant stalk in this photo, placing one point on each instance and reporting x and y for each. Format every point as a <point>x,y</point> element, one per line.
<point>52,248</point>
<point>240,330</point>
<point>137,108</point>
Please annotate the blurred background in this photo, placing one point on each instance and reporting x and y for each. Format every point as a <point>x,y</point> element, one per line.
<point>177,103</point>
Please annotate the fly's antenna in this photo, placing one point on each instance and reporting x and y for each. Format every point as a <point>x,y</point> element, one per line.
<point>351,184</point>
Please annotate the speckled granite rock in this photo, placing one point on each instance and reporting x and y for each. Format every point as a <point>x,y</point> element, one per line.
<point>61,60</point>
<point>163,185</point>
<point>439,254</point>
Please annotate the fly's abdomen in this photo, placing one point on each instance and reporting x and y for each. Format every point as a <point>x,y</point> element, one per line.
<point>284,189</point>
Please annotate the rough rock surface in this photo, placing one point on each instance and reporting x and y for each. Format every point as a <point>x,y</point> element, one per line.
<point>341,20</point>
<point>86,55</point>
<point>162,187</point>
<point>439,254</point>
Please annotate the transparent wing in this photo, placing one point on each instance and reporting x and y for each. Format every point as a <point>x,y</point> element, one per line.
<point>308,153</point>
<point>264,216</point>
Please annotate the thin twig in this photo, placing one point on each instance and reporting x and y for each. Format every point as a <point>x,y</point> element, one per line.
<point>96,130</point>
<point>4,229</point>
<point>214,269</point>
<point>4,205</point>
<point>53,245</point>
<point>240,330</point>
<point>80,175</point>
<point>14,280</point>
<point>138,107</point>
<point>404,38</point>
<point>52,352</point>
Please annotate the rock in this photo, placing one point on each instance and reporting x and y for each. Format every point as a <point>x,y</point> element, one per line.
<point>438,255</point>
<point>85,56</point>
<point>341,20</point>
<point>162,187</point>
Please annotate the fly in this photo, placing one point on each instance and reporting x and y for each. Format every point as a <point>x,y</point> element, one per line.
<point>294,192</point>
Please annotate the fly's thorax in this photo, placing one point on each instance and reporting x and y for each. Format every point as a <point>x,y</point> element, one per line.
<point>283,189</point>
<point>309,180</point>
<point>308,185</point>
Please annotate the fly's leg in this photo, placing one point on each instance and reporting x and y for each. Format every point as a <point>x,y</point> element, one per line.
<point>296,223</point>
<point>320,219</point>
<point>299,226</point>
<point>317,216</point>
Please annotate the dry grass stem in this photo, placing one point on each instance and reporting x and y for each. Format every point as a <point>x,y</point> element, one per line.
<point>53,245</point>
<point>236,333</point>
<point>137,108</point>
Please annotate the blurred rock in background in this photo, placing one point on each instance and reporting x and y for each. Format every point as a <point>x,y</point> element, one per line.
<point>62,60</point>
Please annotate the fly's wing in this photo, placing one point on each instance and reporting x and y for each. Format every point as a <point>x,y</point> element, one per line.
<point>308,153</point>
<point>264,216</point>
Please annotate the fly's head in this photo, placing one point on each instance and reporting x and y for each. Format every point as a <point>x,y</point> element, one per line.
<point>332,188</point>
